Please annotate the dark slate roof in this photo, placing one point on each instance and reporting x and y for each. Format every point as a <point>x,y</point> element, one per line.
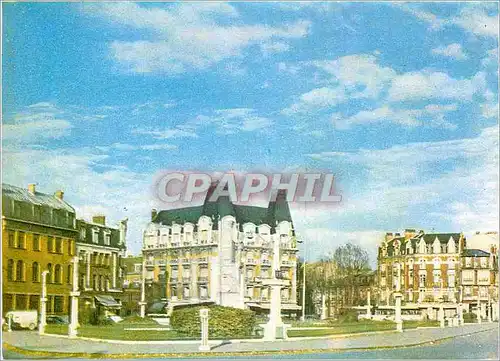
<point>277,211</point>
<point>41,199</point>
<point>443,237</point>
<point>475,253</point>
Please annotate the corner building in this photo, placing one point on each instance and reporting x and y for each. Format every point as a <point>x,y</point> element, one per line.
<point>220,252</point>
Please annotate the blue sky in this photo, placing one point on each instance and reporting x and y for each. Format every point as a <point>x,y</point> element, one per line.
<point>400,101</point>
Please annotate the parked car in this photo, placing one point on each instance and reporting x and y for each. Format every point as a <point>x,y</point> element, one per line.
<point>23,319</point>
<point>56,320</point>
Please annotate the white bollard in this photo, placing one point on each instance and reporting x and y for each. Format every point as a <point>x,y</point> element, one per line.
<point>398,318</point>
<point>9,323</point>
<point>204,330</point>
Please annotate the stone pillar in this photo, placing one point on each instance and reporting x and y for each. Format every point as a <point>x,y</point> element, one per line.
<point>43,304</point>
<point>368,305</point>
<point>114,270</point>
<point>9,323</point>
<point>143,303</point>
<point>204,330</point>
<point>88,256</point>
<point>397,318</point>
<point>489,309</point>
<point>441,316</point>
<point>323,306</point>
<point>460,314</point>
<point>494,311</point>
<point>478,312</point>
<point>73,326</point>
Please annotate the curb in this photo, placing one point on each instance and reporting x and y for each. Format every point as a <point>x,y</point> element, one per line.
<point>212,354</point>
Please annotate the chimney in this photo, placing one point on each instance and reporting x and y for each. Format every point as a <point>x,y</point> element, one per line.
<point>32,188</point>
<point>410,233</point>
<point>99,219</point>
<point>154,212</point>
<point>59,194</point>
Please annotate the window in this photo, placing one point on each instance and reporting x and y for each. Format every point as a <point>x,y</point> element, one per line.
<point>21,240</point>
<point>137,268</point>
<point>20,271</point>
<point>21,302</point>
<point>36,242</point>
<point>10,270</point>
<point>58,245</point>
<point>83,233</point>
<point>468,262</point>
<point>468,276</point>
<point>35,272</point>
<point>107,238</point>
<point>57,274</point>
<point>484,262</point>
<point>11,239</point>
<point>468,291</point>
<point>50,273</point>
<point>69,274</point>
<point>50,244</point>
<point>37,213</point>
<point>58,304</point>
<point>186,292</point>
<point>95,235</point>
<point>422,280</point>
<point>34,302</point>
<point>436,274</point>
<point>94,282</point>
<point>451,278</point>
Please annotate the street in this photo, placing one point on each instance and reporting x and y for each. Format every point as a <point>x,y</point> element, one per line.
<point>482,345</point>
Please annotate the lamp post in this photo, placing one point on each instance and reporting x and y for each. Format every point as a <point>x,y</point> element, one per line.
<point>303,317</point>
<point>43,304</point>
<point>143,303</point>
<point>73,326</point>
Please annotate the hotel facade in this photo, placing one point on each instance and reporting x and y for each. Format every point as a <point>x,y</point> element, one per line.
<point>221,252</point>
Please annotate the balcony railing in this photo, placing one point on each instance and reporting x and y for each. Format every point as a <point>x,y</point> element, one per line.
<point>266,262</point>
<point>174,261</point>
<point>250,261</point>
<point>202,279</point>
<point>203,260</point>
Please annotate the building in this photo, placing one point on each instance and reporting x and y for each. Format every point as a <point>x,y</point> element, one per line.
<point>132,267</point>
<point>479,280</point>
<point>38,233</point>
<point>133,271</point>
<point>220,252</point>
<point>423,267</point>
<point>435,269</point>
<point>101,249</point>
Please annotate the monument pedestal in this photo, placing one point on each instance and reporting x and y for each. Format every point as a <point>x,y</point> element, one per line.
<point>275,328</point>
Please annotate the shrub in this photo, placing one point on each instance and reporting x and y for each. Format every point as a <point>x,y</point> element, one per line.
<point>347,315</point>
<point>470,317</point>
<point>222,321</point>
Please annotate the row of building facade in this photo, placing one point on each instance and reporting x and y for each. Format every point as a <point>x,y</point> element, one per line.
<point>41,232</point>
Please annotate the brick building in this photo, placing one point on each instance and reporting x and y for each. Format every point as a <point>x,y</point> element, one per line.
<point>38,233</point>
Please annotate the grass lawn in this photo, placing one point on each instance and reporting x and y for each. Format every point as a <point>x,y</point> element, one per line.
<point>117,332</point>
<point>356,327</point>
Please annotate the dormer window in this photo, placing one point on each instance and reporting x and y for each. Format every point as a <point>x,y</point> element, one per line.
<point>107,237</point>
<point>95,235</point>
<point>83,233</point>
<point>422,247</point>
<point>451,246</point>
<point>436,246</point>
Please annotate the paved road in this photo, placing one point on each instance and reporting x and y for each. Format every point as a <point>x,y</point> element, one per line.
<point>469,345</point>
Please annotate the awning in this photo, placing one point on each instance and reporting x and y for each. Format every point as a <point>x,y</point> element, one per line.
<point>267,306</point>
<point>108,301</point>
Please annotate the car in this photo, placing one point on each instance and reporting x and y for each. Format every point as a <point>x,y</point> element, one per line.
<point>23,319</point>
<point>56,320</point>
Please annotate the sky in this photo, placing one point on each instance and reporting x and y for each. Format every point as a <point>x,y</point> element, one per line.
<point>398,100</point>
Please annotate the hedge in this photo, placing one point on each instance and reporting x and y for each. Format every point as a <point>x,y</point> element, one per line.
<point>222,321</point>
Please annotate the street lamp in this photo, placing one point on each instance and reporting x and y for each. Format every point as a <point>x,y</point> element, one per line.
<point>43,304</point>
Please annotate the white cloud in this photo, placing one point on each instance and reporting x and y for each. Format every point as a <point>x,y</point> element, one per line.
<point>167,133</point>
<point>187,37</point>
<point>477,21</point>
<point>473,18</point>
<point>489,110</point>
<point>129,147</point>
<point>274,47</point>
<point>431,115</point>
<point>403,187</point>
<point>89,184</point>
<point>231,121</point>
<point>427,85</point>
<point>452,51</point>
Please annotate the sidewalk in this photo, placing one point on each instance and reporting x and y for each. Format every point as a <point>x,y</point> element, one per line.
<point>31,341</point>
